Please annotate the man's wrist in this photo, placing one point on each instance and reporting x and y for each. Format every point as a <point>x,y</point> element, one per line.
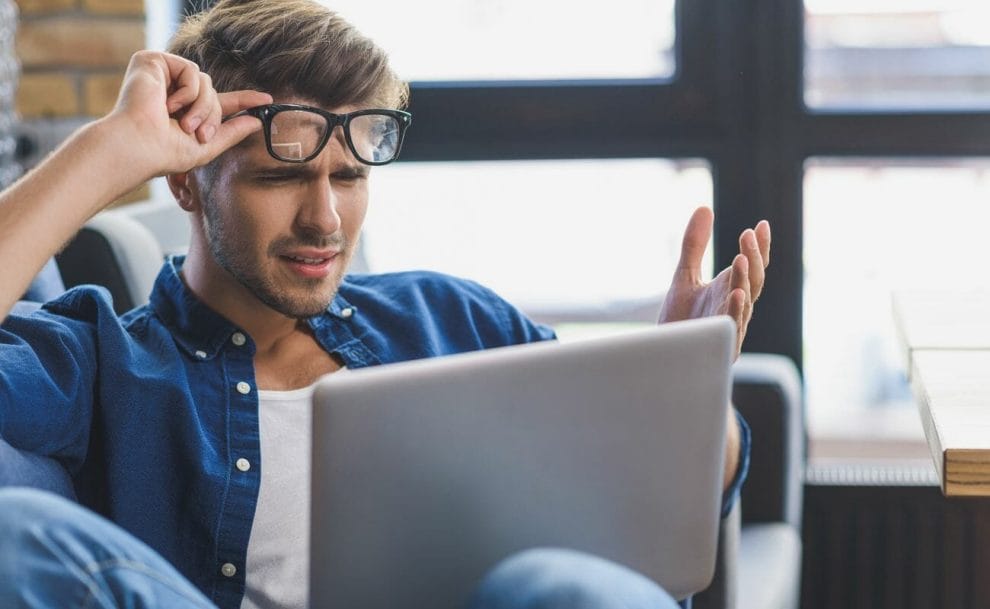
<point>123,162</point>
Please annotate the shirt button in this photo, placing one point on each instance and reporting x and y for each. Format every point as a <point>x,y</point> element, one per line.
<point>243,388</point>
<point>238,339</point>
<point>228,570</point>
<point>201,354</point>
<point>243,464</point>
<point>347,313</point>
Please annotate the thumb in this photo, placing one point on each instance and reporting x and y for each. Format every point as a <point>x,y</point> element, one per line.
<point>232,132</point>
<point>696,237</point>
<point>235,101</point>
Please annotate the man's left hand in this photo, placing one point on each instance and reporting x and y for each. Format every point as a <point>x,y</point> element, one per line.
<point>733,291</point>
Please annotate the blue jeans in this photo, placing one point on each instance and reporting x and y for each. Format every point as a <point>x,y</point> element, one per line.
<point>56,554</point>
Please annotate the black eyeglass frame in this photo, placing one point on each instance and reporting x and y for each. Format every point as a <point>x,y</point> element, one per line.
<point>268,112</point>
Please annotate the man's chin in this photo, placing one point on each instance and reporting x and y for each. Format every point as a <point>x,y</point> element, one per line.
<point>302,308</point>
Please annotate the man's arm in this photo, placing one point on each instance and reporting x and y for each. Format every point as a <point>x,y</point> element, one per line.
<point>167,119</point>
<point>732,292</point>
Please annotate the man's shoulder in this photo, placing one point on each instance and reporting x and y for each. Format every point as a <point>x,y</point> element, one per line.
<point>406,282</point>
<point>421,293</point>
<point>446,303</point>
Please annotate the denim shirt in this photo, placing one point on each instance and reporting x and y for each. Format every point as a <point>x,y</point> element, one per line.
<point>151,411</point>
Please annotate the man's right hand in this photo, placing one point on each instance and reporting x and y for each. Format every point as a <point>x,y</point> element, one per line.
<point>168,115</point>
<point>167,120</point>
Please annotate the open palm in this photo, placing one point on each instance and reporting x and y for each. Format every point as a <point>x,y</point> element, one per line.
<point>733,291</point>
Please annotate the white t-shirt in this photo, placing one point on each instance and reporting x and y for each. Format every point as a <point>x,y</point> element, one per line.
<point>277,569</point>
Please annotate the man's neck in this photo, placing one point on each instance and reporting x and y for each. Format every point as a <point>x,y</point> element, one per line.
<point>218,290</point>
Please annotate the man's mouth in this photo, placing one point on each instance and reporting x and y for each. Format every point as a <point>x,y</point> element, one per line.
<point>311,265</point>
<point>307,260</point>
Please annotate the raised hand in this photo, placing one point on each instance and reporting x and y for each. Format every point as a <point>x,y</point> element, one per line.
<point>733,292</point>
<point>168,114</point>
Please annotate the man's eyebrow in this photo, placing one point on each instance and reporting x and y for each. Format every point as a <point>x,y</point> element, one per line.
<point>353,171</point>
<point>282,170</point>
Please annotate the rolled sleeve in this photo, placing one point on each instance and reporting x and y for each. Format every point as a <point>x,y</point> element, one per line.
<point>731,494</point>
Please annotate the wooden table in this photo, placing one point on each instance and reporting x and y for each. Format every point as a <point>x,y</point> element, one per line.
<point>941,320</point>
<point>946,340</point>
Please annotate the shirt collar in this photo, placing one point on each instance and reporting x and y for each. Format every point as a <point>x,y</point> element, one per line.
<point>201,331</point>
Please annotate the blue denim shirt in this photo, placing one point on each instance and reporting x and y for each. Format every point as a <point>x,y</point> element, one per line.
<point>150,411</point>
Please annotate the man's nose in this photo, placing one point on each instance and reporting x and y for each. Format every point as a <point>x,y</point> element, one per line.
<point>319,212</point>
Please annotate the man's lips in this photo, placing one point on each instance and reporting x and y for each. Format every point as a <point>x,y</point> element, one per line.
<point>310,263</point>
<point>310,256</point>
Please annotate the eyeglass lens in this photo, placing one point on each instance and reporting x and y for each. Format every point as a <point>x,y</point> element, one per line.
<point>296,134</point>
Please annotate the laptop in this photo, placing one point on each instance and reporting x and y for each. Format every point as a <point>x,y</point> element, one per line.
<point>427,473</point>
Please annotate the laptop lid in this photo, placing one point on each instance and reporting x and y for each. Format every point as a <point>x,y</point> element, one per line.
<point>427,473</point>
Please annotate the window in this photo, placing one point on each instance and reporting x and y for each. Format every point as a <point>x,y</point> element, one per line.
<point>921,54</point>
<point>544,234</point>
<point>933,215</point>
<point>472,40</point>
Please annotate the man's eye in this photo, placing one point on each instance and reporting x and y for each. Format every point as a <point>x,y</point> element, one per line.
<point>275,178</point>
<point>349,176</point>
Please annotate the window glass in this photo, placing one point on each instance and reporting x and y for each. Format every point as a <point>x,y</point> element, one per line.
<point>872,227</point>
<point>909,54</point>
<point>520,39</point>
<point>544,234</point>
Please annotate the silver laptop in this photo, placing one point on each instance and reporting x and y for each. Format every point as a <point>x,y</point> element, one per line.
<point>428,473</point>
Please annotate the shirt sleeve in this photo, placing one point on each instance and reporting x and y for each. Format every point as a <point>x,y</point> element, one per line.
<point>731,494</point>
<point>47,377</point>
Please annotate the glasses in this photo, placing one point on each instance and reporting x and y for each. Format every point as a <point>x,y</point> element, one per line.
<point>297,134</point>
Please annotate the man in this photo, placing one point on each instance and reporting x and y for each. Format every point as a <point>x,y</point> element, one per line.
<point>166,411</point>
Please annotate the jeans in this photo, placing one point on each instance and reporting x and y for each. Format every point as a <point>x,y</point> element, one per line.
<point>56,554</point>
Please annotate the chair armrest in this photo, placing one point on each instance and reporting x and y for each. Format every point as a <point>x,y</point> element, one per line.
<point>767,391</point>
<point>723,592</point>
<point>117,252</point>
<point>20,468</point>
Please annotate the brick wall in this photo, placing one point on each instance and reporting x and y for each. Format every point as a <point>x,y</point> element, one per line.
<point>73,54</point>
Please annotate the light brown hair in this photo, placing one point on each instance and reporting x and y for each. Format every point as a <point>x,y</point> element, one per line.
<point>289,48</point>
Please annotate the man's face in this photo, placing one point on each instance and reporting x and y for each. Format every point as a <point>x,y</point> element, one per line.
<point>286,231</point>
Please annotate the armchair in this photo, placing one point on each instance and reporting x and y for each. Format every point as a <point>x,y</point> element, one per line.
<point>759,561</point>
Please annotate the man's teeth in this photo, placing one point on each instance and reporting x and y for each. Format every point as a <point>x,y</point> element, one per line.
<point>307,260</point>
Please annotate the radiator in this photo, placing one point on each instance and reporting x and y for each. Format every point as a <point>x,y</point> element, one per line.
<point>882,536</point>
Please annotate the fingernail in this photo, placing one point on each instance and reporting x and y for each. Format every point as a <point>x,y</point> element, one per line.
<point>194,124</point>
<point>208,132</point>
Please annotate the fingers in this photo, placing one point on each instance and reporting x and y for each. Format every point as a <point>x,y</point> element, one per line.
<point>737,310</point>
<point>750,248</point>
<point>696,237</point>
<point>203,107</point>
<point>182,80</point>
<point>739,280</point>
<point>740,301</point>
<point>232,131</point>
<point>205,115</point>
<point>235,101</point>
<point>763,239</point>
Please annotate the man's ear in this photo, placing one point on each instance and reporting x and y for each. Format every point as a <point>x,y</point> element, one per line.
<point>185,190</point>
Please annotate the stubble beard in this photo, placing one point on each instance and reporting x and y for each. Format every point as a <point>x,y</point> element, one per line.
<point>235,258</point>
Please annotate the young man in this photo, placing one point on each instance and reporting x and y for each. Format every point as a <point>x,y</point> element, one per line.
<point>166,411</point>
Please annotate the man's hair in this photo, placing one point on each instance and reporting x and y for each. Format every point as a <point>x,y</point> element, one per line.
<point>289,48</point>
